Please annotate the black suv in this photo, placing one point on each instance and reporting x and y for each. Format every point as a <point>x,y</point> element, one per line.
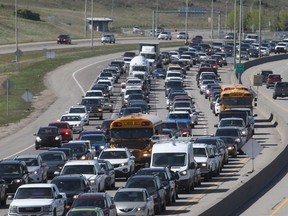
<point>48,137</point>
<point>167,178</point>
<point>152,184</point>
<point>14,173</point>
<point>94,105</point>
<point>280,90</point>
<point>72,186</point>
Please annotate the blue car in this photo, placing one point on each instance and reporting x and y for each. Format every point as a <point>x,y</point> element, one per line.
<point>159,73</point>
<point>99,141</point>
<point>178,116</point>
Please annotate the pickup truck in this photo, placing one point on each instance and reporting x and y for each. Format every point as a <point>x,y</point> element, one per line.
<point>37,199</point>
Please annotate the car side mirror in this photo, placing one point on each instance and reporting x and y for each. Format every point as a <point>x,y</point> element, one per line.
<point>192,165</point>
<point>10,197</point>
<point>216,125</point>
<point>132,157</point>
<point>59,196</point>
<point>56,173</point>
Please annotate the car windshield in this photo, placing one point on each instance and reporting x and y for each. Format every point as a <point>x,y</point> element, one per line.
<point>78,169</point>
<point>90,201</point>
<point>71,118</point>
<point>33,193</point>
<point>93,138</point>
<point>142,183</point>
<point>76,149</point>
<point>47,131</point>
<point>236,123</point>
<point>69,185</point>
<point>52,157</point>
<point>113,155</point>
<point>179,116</point>
<point>199,152</point>
<point>169,125</point>
<point>91,101</point>
<point>129,196</point>
<point>171,159</point>
<point>225,132</point>
<point>10,169</point>
<point>29,161</point>
<point>77,110</point>
<point>182,104</point>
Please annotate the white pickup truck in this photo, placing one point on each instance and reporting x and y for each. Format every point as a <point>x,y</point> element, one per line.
<point>37,199</point>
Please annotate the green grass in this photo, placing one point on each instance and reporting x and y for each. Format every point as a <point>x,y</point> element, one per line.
<point>67,16</point>
<point>28,74</point>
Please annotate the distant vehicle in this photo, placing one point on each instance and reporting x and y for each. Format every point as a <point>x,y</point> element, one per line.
<point>100,200</point>
<point>64,39</point>
<point>108,38</point>
<point>230,35</point>
<point>36,167</point>
<point>182,35</point>
<point>280,90</point>
<point>75,121</point>
<point>54,160</point>
<point>48,137</point>
<point>64,129</point>
<point>131,198</point>
<point>272,79</point>
<point>165,36</point>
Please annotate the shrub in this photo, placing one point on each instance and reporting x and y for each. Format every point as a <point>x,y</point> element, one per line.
<point>27,14</point>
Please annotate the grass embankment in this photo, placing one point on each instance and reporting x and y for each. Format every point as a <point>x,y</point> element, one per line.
<point>28,74</point>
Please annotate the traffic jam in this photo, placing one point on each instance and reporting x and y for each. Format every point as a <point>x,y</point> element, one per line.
<point>135,143</point>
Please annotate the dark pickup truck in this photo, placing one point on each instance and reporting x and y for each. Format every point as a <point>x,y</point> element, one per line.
<point>94,105</point>
<point>280,90</point>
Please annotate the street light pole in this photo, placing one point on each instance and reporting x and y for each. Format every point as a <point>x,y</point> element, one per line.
<point>240,29</point>
<point>186,21</point>
<point>112,13</point>
<point>260,39</point>
<point>85,20</point>
<point>212,21</point>
<point>16,30</point>
<point>234,48</point>
<point>92,23</point>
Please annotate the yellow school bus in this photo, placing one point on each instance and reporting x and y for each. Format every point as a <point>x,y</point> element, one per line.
<point>135,132</point>
<point>236,97</point>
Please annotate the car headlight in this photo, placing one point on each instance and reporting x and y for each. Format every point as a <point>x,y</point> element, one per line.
<point>60,167</point>
<point>102,147</point>
<point>92,181</point>
<point>47,208</point>
<point>203,164</point>
<point>124,164</point>
<point>17,181</point>
<point>243,132</point>
<point>38,139</point>
<point>36,172</point>
<point>13,209</point>
<point>57,138</point>
<point>99,110</point>
<point>66,133</point>
<point>83,157</point>
<point>140,209</point>
<point>237,140</point>
<point>183,173</point>
<point>230,147</point>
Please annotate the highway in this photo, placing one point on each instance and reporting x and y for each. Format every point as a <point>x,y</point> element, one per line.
<point>78,77</point>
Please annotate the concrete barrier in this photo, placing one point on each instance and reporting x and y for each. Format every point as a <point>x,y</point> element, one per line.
<point>233,203</point>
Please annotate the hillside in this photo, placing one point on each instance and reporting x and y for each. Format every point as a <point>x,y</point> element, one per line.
<point>67,16</point>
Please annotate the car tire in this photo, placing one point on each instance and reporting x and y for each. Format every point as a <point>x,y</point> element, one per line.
<point>3,202</point>
<point>274,97</point>
<point>36,147</point>
<point>158,210</point>
<point>206,177</point>
<point>113,185</point>
<point>163,207</point>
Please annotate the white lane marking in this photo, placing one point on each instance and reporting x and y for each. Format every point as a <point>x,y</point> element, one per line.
<point>80,69</point>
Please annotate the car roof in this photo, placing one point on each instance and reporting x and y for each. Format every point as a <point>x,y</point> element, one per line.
<point>131,189</point>
<point>115,149</point>
<point>35,185</point>
<point>51,152</point>
<point>81,162</point>
<point>68,177</point>
<point>10,161</point>
<point>27,156</point>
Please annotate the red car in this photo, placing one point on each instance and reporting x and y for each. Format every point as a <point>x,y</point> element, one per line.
<point>213,64</point>
<point>64,39</point>
<point>272,79</point>
<point>64,130</point>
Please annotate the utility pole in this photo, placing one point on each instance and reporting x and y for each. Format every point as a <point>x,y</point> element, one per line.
<point>92,23</point>
<point>85,19</point>
<point>212,21</point>
<point>235,33</point>
<point>260,39</point>
<point>186,21</point>
<point>16,30</point>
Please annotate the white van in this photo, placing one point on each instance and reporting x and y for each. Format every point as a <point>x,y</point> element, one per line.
<point>179,156</point>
